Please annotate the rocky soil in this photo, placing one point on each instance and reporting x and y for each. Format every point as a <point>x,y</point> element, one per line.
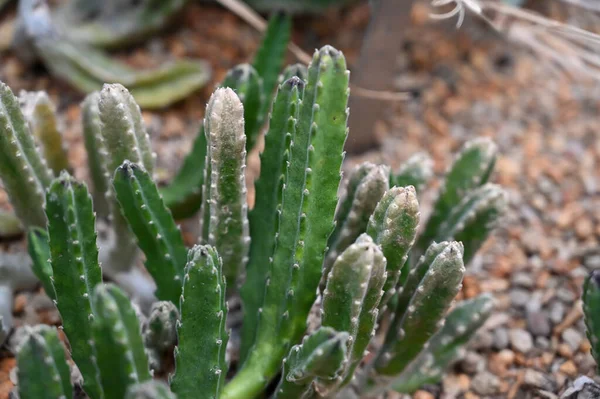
<point>465,86</point>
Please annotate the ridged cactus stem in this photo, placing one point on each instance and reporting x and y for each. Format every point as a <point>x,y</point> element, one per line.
<point>41,115</point>
<point>76,271</point>
<point>123,138</point>
<point>157,234</point>
<point>309,198</point>
<point>367,185</point>
<point>416,172</point>
<point>120,353</point>
<point>408,333</point>
<point>160,333</point>
<point>393,226</point>
<point>263,217</point>
<point>226,207</point>
<point>445,346</point>
<point>23,171</point>
<point>39,251</point>
<point>471,169</point>
<point>322,355</point>
<point>42,368</point>
<point>350,302</point>
<point>200,366</point>
<point>94,146</point>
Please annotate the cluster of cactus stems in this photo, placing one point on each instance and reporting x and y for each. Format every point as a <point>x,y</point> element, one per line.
<point>299,249</point>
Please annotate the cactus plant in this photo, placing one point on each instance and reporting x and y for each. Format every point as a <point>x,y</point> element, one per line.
<point>358,255</point>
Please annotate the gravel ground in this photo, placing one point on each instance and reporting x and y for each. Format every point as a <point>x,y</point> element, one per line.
<point>544,123</point>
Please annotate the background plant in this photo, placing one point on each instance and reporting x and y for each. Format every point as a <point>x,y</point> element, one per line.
<point>357,249</point>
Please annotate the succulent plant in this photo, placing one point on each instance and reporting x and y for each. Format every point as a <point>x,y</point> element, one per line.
<point>299,250</point>
<point>39,35</point>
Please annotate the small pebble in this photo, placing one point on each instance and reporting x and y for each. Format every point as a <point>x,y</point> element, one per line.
<point>485,383</point>
<point>520,340</point>
<point>572,338</point>
<point>538,323</point>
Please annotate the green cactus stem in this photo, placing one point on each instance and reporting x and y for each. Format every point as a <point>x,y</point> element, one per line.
<point>309,199</point>
<point>409,333</point>
<point>471,169</point>
<point>41,115</point>
<point>416,172</point>
<point>263,217</point>
<point>473,219</point>
<point>350,302</point>
<point>39,251</point>
<point>298,70</point>
<point>76,272</point>
<point>23,171</point>
<point>160,333</point>
<point>269,58</point>
<point>446,346</point>
<point>152,389</point>
<point>124,138</point>
<point>393,226</point>
<point>96,152</point>
<point>591,311</point>
<point>225,208</point>
<point>120,353</point>
<point>87,68</point>
<point>367,185</point>
<point>248,85</point>
<point>200,365</point>
<point>42,367</point>
<point>322,355</point>
<point>157,234</point>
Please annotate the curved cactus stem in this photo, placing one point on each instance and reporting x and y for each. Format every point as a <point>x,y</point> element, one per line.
<point>87,68</point>
<point>123,138</point>
<point>269,57</point>
<point>309,198</point>
<point>471,169</point>
<point>263,217</point>
<point>472,220</point>
<point>367,185</point>
<point>76,272</point>
<point>408,335</point>
<point>160,333</point>
<point>350,302</point>
<point>443,348</point>
<point>248,85</point>
<point>298,70</point>
<point>41,115</point>
<point>183,196</point>
<point>42,368</point>
<point>120,351</point>
<point>152,389</point>
<point>111,24</point>
<point>226,204</point>
<point>322,355</point>
<point>393,226</point>
<point>591,310</point>
<point>416,172</point>
<point>157,234</point>
<point>200,365</point>
<point>23,171</point>
<point>39,251</point>
<point>96,152</point>
<point>10,225</point>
